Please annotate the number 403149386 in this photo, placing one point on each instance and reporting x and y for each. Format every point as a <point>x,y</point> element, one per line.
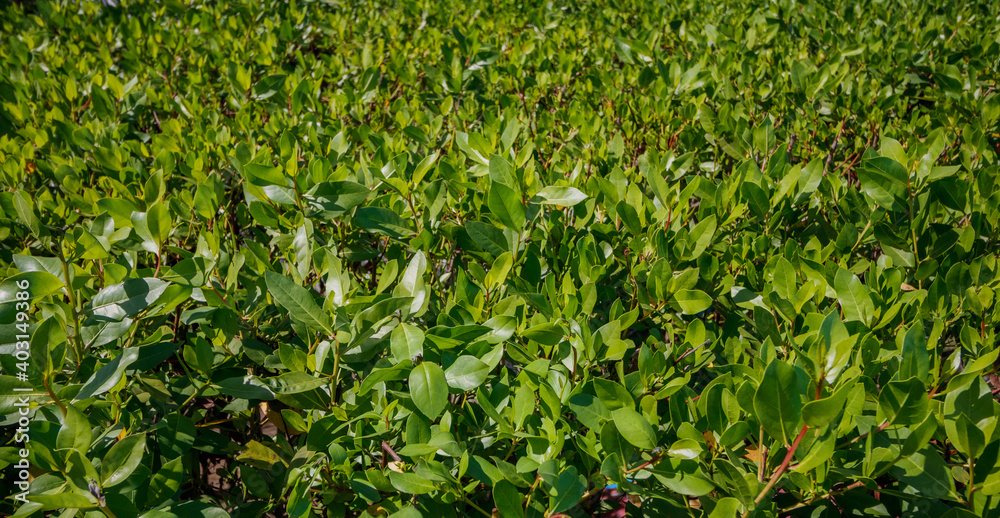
<point>22,345</point>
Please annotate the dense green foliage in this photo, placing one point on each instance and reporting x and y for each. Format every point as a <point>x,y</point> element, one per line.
<point>413,258</point>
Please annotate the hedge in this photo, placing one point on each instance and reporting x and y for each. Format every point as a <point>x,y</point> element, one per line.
<point>503,259</point>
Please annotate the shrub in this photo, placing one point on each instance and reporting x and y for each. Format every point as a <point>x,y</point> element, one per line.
<point>421,259</point>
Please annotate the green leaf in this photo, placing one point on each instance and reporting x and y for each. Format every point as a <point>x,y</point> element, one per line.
<point>238,77</point>
<point>785,284</point>
<point>407,512</point>
<point>187,509</point>
<point>925,470</point>
<point>884,180</point>
<point>407,342</point>
<point>505,204</point>
<point>546,333</point>
<point>75,431</point>
<point>634,428</point>
<point>424,167</point>
<point>891,148</point>
<point>39,284</point>
<point>756,198</point>
<point>970,395</point>
<point>467,373</point>
<point>919,436</point>
<point>298,302</point>
<point>429,389</point>
<point>692,302</point>
<point>178,435</point>
<point>127,299</point>
<point>613,395</point>
<point>246,387</point>
<point>396,372</point>
<point>563,196</point>
<point>614,444</point>
<point>370,79</point>
<point>915,359</point>
<point>48,346</point>
<point>295,382</point>
<point>411,283</point>
<point>594,228</point>
<point>854,297</point>
<point>524,404</point>
<point>383,221</point>
<point>965,435</point>
<point>821,412</point>
<point>159,222</point>
<point>335,199</point>
<point>685,449</point>
<point>447,337</point>
<point>777,402</point>
<point>488,237</point>
<point>109,375</point>
<point>660,187</point>
<point>502,172</point>
<point>263,175</point>
<point>188,272</point>
<point>258,454</point>
<point>498,272</point>
<point>153,226</point>
<point>411,483</point>
<point>167,481</point>
<point>701,235</point>
<point>683,476</point>
<point>589,410</point>
<point>63,501</point>
<point>268,86</point>
<point>902,403</point>
<point>951,192</point>
<point>725,508</point>
<point>817,447</point>
<point>630,217</point>
<point>839,345</point>
<point>508,500</point>
<point>25,212</point>
<point>567,491</point>
<point>122,459</point>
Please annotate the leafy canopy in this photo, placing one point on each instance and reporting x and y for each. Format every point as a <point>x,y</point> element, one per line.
<point>435,259</point>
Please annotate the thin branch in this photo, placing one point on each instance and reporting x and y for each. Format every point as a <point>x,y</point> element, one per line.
<point>781,469</point>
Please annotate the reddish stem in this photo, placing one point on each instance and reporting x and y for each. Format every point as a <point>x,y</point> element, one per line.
<point>784,465</point>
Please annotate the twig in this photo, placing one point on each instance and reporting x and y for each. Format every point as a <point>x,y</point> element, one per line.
<point>656,458</point>
<point>55,399</point>
<point>476,507</point>
<point>691,350</point>
<point>77,339</point>
<point>881,427</point>
<point>390,452</point>
<point>781,469</point>
<point>763,456</point>
<point>833,148</point>
<point>817,498</point>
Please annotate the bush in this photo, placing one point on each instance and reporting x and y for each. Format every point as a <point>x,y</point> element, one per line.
<point>422,259</point>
